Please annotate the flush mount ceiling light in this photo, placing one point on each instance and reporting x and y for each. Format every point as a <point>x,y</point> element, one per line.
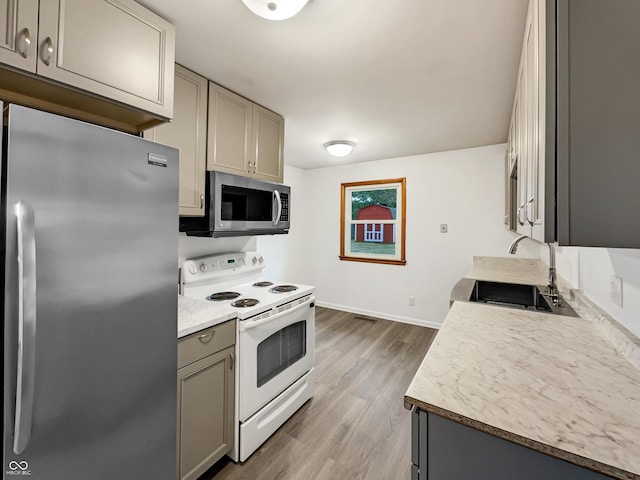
<point>275,9</point>
<point>339,148</point>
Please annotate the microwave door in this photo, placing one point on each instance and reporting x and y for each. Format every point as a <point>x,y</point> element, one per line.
<point>240,206</point>
<point>247,206</point>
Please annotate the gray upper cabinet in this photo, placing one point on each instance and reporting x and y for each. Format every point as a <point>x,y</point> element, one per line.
<point>578,106</point>
<point>598,78</point>
<point>18,33</point>
<point>268,141</point>
<point>229,132</point>
<point>188,133</point>
<point>243,137</point>
<point>119,52</point>
<point>114,48</point>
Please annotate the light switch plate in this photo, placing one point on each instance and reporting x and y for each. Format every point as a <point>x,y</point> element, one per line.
<point>616,290</point>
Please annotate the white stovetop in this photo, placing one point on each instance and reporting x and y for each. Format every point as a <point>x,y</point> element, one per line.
<point>234,272</point>
<point>266,299</point>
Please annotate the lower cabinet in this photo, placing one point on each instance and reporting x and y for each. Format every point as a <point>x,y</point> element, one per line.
<point>445,450</point>
<point>206,392</point>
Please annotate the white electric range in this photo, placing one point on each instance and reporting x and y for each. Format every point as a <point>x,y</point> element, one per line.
<point>275,346</point>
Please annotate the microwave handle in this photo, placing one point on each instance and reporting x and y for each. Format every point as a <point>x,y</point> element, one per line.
<point>276,195</point>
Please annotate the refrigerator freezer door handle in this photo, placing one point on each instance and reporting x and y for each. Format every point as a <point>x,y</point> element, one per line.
<point>25,222</point>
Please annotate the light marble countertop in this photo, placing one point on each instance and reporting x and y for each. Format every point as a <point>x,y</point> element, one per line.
<point>551,383</point>
<point>195,315</point>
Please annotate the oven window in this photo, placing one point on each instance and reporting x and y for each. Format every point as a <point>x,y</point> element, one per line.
<point>281,350</point>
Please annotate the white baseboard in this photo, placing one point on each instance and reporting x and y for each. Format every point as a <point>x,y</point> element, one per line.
<point>384,316</point>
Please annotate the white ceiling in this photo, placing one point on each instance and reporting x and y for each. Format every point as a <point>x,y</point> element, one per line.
<point>400,77</point>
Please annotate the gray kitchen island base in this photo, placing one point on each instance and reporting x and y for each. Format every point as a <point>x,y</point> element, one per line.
<point>445,450</point>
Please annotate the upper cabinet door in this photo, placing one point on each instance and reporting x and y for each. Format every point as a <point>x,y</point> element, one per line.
<point>19,33</point>
<point>114,48</point>
<point>229,132</point>
<point>539,230</point>
<point>268,134</point>
<point>188,133</point>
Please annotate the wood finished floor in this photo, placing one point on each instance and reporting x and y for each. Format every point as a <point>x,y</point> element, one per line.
<point>355,427</point>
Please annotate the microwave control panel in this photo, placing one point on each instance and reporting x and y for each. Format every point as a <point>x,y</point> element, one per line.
<point>284,199</point>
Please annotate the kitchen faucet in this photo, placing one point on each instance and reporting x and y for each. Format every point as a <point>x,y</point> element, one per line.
<point>552,287</point>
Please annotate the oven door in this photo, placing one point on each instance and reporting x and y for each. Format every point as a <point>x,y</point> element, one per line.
<point>274,352</point>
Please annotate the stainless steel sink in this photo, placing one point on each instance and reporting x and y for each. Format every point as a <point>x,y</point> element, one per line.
<point>511,295</point>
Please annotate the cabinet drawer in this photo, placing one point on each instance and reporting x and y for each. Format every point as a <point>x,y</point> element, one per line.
<point>206,342</point>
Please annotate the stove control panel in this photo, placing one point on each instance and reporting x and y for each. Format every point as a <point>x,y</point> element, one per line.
<point>230,263</point>
<point>220,266</point>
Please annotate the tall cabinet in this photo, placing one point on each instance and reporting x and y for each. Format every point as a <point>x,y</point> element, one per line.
<point>188,133</point>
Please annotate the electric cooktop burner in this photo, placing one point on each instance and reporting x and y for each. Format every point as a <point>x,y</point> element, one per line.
<point>283,288</point>
<point>223,296</point>
<point>263,284</point>
<point>245,302</point>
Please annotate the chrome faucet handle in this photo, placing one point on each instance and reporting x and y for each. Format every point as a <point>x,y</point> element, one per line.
<point>555,297</point>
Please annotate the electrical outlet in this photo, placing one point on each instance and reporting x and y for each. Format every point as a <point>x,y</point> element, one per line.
<point>444,228</point>
<point>616,290</point>
<point>412,301</point>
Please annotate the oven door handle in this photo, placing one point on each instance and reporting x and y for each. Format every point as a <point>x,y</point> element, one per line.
<point>249,325</point>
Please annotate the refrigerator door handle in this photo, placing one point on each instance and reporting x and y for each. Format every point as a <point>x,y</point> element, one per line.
<point>25,222</point>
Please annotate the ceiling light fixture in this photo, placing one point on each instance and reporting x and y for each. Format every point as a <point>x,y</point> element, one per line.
<point>339,148</point>
<point>275,9</point>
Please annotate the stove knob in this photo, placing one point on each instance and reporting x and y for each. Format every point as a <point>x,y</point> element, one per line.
<point>261,259</point>
<point>254,260</point>
<point>193,269</point>
<point>203,267</point>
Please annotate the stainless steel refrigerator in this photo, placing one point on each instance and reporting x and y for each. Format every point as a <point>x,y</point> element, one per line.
<point>89,223</point>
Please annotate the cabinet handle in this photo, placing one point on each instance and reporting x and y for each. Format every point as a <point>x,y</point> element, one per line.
<point>201,200</point>
<point>526,212</point>
<point>233,360</point>
<point>24,42</point>
<point>520,216</point>
<point>255,166</point>
<point>205,336</point>
<point>249,171</point>
<point>47,51</point>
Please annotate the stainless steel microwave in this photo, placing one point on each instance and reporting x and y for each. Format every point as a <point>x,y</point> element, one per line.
<point>236,206</point>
